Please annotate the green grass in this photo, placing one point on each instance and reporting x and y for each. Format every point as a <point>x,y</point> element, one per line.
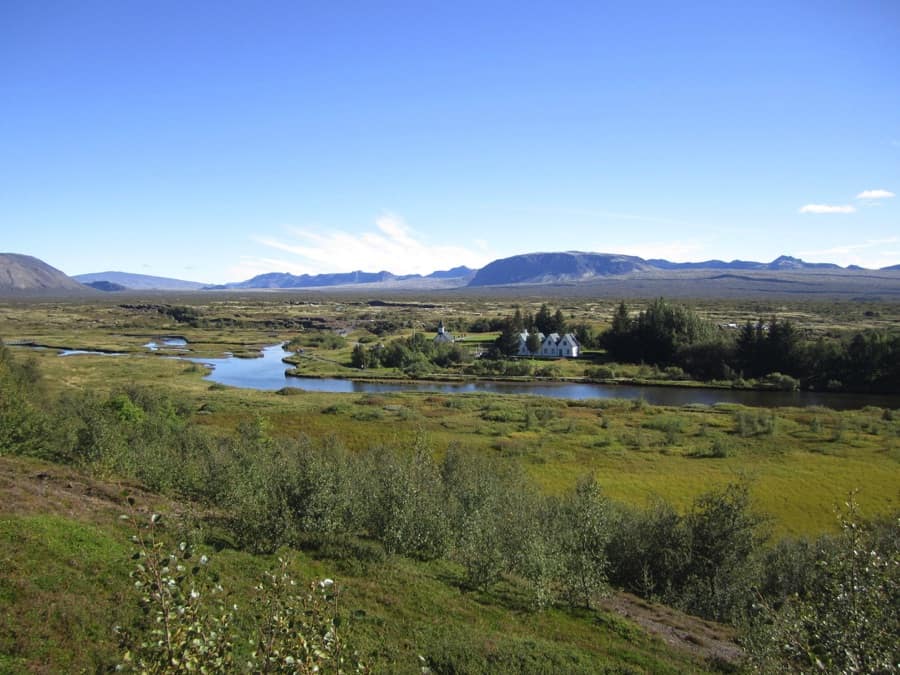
<point>64,586</point>
<point>811,459</point>
<point>64,570</point>
<point>798,472</point>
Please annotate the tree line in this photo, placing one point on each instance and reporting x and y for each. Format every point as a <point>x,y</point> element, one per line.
<point>665,334</point>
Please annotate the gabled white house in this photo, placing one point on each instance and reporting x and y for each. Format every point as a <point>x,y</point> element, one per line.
<point>523,343</point>
<point>554,345</point>
<point>566,346</point>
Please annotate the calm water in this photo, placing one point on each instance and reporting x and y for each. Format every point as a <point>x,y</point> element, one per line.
<point>267,373</point>
<point>177,342</point>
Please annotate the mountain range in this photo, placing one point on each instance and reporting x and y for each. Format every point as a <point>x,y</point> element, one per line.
<point>23,274</point>
<point>453,278</point>
<point>135,282</point>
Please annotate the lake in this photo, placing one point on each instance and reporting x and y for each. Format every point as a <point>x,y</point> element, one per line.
<point>268,373</point>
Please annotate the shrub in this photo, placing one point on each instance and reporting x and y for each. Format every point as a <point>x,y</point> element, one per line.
<point>600,373</point>
<point>585,531</point>
<point>842,614</point>
<point>754,422</point>
<point>780,382</point>
<point>190,629</point>
<point>725,538</point>
<point>720,448</point>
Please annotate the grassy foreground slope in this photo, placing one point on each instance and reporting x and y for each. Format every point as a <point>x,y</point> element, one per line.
<point>65,585</point>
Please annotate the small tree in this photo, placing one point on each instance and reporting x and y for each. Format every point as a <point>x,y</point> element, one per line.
<point>360,357</point>
<point>724,535</point>
<point>586,530</point>
<point>543,320</point>
<point>507,344</point>
<point>190,629</point>
<point>848,621</point>
<point>559,322</point>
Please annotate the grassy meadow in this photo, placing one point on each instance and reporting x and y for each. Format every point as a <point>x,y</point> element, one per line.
<point>61,540</point>
<point>800,462</point>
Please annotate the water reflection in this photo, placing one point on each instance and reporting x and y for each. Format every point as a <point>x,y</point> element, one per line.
<point>267,373</point>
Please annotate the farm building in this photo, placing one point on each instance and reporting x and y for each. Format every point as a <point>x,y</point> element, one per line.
<point>565,346</point>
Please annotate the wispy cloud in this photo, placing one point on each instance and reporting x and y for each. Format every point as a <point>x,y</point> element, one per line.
<point>871,253</point>
<point>392,245</point>
<point>675,251</point>
<point>875,194</point>
<point>827,208</point>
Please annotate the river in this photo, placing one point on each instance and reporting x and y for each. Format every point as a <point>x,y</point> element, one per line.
<point>268,373</point>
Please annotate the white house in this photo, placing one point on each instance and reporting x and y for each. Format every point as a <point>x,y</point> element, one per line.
<point>523,343</point>
<point>565,346</point>
<point>554,345</point>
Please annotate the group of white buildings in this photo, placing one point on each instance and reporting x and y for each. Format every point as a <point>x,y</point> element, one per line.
<point>560,346</point>
<point>565,346</point>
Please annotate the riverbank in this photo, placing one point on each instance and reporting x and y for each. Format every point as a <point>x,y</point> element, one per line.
<point>268,373</point>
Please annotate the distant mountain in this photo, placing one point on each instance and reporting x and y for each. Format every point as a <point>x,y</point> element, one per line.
<point>106,286</point>
<point>892,268</point>
<point>24,273</point>
<point>461,272</point>
<point>706,265</point>
<point>575,266</point>
<point>460,275</point>
<point>287,280</point>
<point>554,268</point>
<point>563,268</point>
<point>784,262</point>
<point>139,282</point>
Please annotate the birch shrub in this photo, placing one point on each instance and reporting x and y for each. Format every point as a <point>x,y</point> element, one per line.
<point>189,628</point>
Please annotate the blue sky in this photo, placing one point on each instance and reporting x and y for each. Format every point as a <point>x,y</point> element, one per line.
<point>217,140</point>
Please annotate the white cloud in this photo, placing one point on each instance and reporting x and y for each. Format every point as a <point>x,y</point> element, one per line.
<point>392,245</point>
<point>827,208</point>
<point>875,194</point>
<point>871,253</point>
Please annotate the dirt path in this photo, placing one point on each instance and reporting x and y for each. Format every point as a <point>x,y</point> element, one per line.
<point>30,486</point>
<point>707,640</point>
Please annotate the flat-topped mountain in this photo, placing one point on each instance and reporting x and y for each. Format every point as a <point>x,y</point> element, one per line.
<point>24,273</point>
<point>136,282</point>
<point>456,277</point>
<point>574,266</point>
<point>550,268</point>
